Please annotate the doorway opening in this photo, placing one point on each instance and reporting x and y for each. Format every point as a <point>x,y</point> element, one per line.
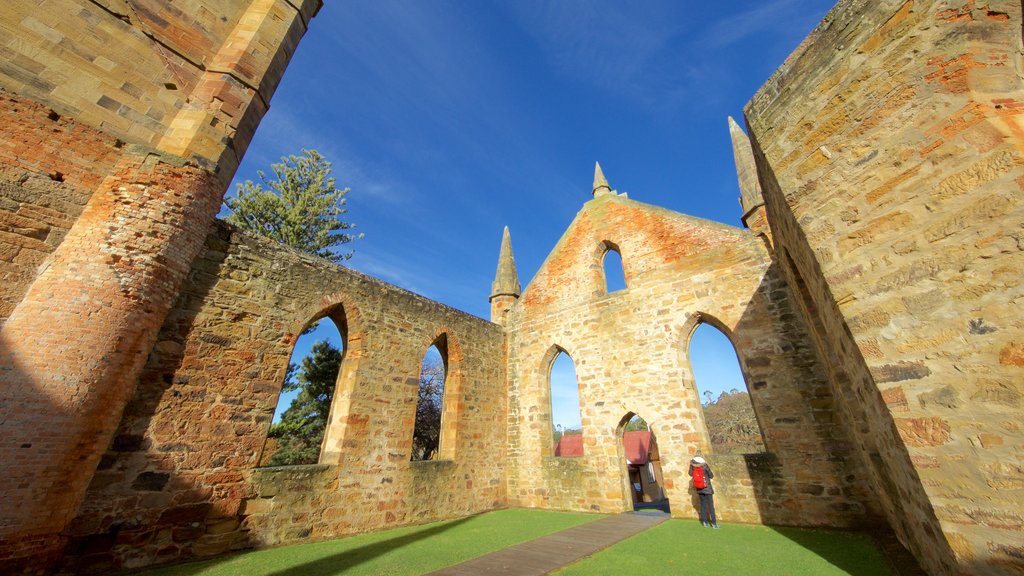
<point>643,465</point>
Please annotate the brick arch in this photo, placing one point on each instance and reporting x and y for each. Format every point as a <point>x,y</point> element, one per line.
<point>329,306</point>
<point>452,403</point>
<point>340,308</point>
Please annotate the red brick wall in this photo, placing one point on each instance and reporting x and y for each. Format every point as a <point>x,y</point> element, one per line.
<point>49,167</point>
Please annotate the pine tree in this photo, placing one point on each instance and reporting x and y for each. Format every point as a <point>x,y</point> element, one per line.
<point>300,207</point>
<point>301,429</point>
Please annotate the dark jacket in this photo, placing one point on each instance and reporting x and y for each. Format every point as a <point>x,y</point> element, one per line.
<point>708,475</point>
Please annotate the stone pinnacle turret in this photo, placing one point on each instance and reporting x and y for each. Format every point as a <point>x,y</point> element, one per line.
<point>755,217</point>
<point>746,169</point>
<point>601,186</point>
<point>505,289</point>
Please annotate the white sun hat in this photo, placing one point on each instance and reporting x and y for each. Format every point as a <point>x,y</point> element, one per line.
<point>698,460</point>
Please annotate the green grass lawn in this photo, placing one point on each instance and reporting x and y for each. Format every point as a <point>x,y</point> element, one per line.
<point>408,551</point>
<point>674,547</point>
<point>684,547</point>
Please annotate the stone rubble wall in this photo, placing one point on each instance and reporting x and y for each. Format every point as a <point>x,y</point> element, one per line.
<point>889,148</point>
<point>631,353</point>
<point>180,478</point>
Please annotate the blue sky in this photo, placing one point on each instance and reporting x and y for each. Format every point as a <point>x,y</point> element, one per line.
<point>450,120</point>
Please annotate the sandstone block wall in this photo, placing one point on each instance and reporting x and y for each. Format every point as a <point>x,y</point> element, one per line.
<point>137,111</point>
<point>631,348</point>
<point>889,150</point>
<point>180,478</point>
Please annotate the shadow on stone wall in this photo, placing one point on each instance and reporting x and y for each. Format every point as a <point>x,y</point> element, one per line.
<point>138,498</point>
<point>810,475</point>
<point>23,411</point>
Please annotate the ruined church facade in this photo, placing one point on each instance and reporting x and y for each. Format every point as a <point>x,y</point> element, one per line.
<point>871,298</point>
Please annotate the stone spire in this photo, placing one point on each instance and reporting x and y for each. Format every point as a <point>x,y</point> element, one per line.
<point>505,289</point>
<point>755,216</point>
<point>746,170</point>
<point>601,186</point>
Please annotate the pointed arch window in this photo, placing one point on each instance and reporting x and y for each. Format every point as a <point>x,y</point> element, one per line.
<point>614,273</point>
<point>300,419</point>
<point>566,420</point>
<point>728,411</point>
<point>427,436</point>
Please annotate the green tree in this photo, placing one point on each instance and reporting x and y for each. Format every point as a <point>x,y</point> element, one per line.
<point>300,207</point>
<point>732,424</point>
<point>301,429</point>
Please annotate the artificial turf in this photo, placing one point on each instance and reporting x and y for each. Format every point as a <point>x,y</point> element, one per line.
<point>411,551</point>
<point>684,547</point>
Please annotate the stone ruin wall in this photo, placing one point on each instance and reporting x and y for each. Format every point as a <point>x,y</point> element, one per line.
<point>889,149</point>
<point>630,350</point>
<point>122,122</point>
<point>181,477</point>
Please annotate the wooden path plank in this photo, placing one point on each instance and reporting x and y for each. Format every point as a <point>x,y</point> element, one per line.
<point>547,553</point>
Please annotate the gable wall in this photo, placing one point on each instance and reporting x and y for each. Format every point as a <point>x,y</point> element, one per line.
<point>630,349</point>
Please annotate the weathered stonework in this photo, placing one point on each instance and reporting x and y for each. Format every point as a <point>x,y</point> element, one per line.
<point>184,458</point>
<point>630,349</point>
<point>889,151</point>
<point>871,303</point>
<point>138,113</point>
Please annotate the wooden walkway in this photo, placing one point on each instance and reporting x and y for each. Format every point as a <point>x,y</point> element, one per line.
<point>547,553</point>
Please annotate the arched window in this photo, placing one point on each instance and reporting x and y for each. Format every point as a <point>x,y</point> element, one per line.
<point>303,407</point>
<point>426,435</point>
<point>614,275</point>
<point>566,424</point>
<point>728,411</point>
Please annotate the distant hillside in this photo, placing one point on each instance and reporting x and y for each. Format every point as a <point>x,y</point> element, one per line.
<point>732,424</point>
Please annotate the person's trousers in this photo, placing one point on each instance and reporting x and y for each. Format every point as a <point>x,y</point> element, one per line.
<point>707,508</point>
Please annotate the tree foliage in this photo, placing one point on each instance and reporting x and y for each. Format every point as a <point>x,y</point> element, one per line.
<point>426,435</point>
<point>636,424</point>
<point>301,429</point>
<point>300,207</point>
<point>732,424</point>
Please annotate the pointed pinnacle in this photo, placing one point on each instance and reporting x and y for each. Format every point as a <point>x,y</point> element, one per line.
<point>746,168</point>
<point>506,281</point>
<point>600,182</point>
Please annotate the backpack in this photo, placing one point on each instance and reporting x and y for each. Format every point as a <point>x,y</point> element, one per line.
<point>699,481</point>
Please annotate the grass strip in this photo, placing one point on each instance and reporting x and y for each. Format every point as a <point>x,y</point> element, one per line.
<point>407,551</point>
<point>684,547</point>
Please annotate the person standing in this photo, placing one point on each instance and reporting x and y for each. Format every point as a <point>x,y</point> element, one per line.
<point>701,475</point>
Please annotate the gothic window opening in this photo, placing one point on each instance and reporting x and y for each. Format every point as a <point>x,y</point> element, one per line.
<point>728,411</point>
<point>566,421</point>
<point>614,274</point>
<point>427,431</point>
<point>303,407</point>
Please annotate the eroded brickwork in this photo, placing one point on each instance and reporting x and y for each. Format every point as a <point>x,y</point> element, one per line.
<point>141,110</point>
<point>889,149</point>
<point>49,167</point>
<point>631,351</point>
<point>180,478</point>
